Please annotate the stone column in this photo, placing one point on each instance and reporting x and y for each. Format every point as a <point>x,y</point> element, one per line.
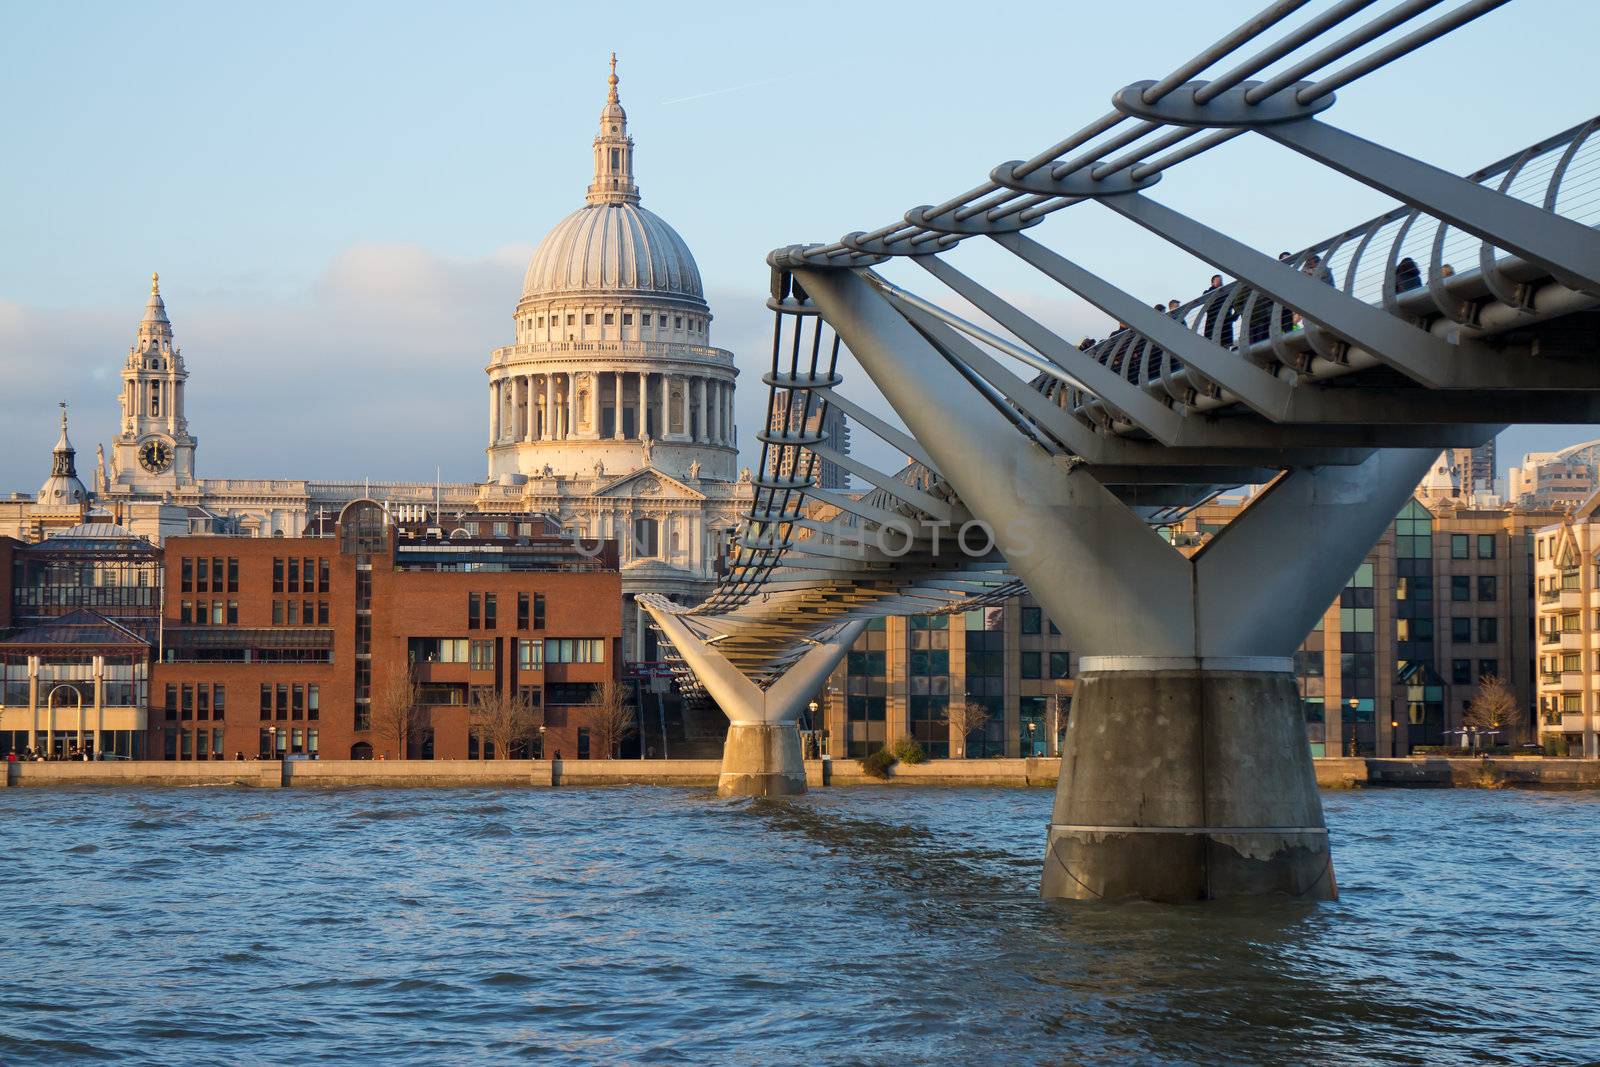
<point>640,405</point>
<point>494,414</point>
<point>99,703</point>
<point>533,411</point>
<point>703,435</point>
<point>572,406</point>
<point>548,431</point>
<point>33,703</point>
<point>616,405</point>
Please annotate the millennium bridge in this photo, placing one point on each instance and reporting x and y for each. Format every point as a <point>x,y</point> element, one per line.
<point>1331,378</point>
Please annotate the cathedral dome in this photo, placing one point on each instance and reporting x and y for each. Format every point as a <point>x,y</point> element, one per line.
<point>610,247</point>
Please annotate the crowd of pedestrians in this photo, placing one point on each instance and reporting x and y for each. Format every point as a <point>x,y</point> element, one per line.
<point>73,754</point>
<point>1223,304</point>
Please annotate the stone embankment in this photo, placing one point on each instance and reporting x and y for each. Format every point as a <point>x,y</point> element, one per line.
<point>1333,773</point>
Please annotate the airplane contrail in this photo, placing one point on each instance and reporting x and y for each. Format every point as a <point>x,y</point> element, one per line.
<point>719,92</point>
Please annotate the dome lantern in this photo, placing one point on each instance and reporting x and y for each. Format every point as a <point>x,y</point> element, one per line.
<point>612,246</point>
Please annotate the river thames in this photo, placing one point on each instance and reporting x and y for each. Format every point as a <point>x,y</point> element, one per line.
<point>860,925</point>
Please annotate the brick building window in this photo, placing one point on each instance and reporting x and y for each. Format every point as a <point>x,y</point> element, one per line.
<point>1460,672</point>
<point>538,611</point>
<point>186,575</point>
<point>322,575</point>
<point>482,656</point>
<point>473,611</point>
<point>489,601</point>
<point>277,575</point>
<point>202,574</point>
<point>530,655</point>
<point>294,576</point>
<point>522,611</point>
<point>233,574</point>
<point>172,702</point>
<point>1488,630</point>
<point>1487,587</point>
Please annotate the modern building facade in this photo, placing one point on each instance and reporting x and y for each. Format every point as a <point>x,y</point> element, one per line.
<point>1444,599</point>
<point>806,414</point>
<point>903,675</point>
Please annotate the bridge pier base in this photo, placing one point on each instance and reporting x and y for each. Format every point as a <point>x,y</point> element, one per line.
<point>761,756</point>
<point>1186,783</point>
<point>762,760</point>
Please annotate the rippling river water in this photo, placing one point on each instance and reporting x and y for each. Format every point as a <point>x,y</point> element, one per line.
<point>849,926</point>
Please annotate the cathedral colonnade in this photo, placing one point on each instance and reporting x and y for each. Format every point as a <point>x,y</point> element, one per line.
<point>611,405</point>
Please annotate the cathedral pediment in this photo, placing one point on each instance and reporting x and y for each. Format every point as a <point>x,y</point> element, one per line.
<point>648,482</point>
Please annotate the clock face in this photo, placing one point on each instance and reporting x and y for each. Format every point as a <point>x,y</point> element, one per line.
<point>155,456</point>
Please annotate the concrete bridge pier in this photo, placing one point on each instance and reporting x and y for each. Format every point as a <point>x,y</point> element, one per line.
<point>1184,781</point>
<point>761,756</point>
<point>1187,774</point>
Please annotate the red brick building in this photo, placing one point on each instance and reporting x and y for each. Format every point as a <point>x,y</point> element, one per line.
<point>255,650</point>
<point>276,646</point>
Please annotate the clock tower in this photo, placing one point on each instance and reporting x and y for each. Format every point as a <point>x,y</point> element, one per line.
<point>153,451</point>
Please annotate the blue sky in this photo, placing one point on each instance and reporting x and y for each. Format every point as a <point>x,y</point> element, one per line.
<point>341,198</point>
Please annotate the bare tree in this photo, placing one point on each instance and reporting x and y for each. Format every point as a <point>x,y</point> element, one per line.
<point>398,716</point>
<point>610,717</point>
<point>504,720</point>
<point>966,718</point>
<point>1494,707</point>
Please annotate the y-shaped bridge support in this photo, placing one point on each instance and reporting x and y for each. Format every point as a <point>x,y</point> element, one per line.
<point>761,757</point>
<point>1186,773</point>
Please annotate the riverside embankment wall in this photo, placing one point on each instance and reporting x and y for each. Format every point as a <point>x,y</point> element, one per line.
<point>1335,773</point>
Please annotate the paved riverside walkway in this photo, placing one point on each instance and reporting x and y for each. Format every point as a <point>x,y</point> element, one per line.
<point>1041,772</point>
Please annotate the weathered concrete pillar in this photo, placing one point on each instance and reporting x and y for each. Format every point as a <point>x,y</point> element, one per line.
<point>762,760</point>
<point>1182,783</point>
<point>1186,773</point>
<point>761,756</point>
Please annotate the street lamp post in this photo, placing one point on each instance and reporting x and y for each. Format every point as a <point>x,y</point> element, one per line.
<point>1354,703</point>
<point>1394,737</point>
<point>1032,729</point>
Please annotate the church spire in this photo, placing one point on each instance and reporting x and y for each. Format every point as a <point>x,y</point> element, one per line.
<point>155,329</point>
<point>63,459</point>
<point>613,151</point>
